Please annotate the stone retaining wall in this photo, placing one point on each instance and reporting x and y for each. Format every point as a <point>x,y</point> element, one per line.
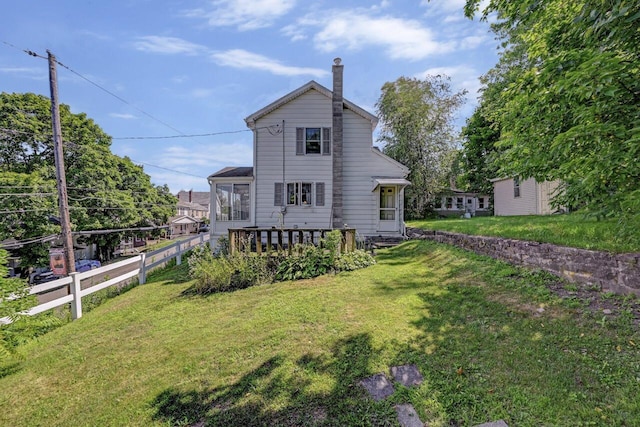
<point>619,273</point>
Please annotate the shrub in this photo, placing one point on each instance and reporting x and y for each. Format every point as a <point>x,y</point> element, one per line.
<point>322,259</point>
<point>249,270</point>
<point>243,269</point>
<point>210,274</point>
<point>354,260</point>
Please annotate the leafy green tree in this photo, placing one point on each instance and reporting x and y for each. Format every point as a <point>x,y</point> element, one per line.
<point>14,299</point>
<point>417,130</point>
<point>571,111</point>
<point>478,154</point>
<point>27,202</point>
<point>105,191</point>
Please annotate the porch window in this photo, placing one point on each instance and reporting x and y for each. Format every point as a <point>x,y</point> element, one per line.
<point>233,202</point>
<point>313,141</point>
<point>459,201</point>
<point>449,202</point>
<point>480,202</point>
<point>516,187</point>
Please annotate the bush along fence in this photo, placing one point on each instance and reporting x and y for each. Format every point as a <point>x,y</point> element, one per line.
<point>71,289</point>
<point>243,263</point>
<point>618,273</point>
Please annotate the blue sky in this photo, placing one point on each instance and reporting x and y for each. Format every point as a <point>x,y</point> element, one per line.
<point>202,66</point>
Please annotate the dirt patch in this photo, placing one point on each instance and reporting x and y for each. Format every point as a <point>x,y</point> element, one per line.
<point>583,298</point>
<point>598,302</point>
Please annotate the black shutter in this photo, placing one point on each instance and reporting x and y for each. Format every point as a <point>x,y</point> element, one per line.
<point>278,194</point>
<point>319,193</point>
<point>326,141</point>
<point>299,141</point>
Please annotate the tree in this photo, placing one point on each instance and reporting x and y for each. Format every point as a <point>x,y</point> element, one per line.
<point>14,299</point>
<point>571,112</point>
<point>478,154</point>
<point>417,130</point>
<point>105,191</point>
<point>28,201</point>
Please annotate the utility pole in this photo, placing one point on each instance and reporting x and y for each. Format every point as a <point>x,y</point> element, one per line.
<point>67,239</point>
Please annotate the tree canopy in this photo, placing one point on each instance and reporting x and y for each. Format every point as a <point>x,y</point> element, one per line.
<point>567,104</point>
<point>417,130</point>
<point>105,191</point>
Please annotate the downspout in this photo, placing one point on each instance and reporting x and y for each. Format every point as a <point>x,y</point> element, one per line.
<point>254,183</point>
<point>337,148</point>
<point>283,209</point>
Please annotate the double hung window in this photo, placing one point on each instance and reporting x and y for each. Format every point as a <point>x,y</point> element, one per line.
<point>298,194</point>
<point>313,141</point>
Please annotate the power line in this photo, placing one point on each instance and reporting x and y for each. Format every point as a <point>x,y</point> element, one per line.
<point>28,52</point>
<point>167,169</point>
<point>119,98</point>
<point>183,136</point>
<point>19,243</point>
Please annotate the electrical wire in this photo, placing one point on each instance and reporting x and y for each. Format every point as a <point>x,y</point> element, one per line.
<point>118,97</point>
<point>167,169</point>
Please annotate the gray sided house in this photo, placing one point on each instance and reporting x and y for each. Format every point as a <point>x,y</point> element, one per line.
<point>455,203</point>
<point>314,166</point>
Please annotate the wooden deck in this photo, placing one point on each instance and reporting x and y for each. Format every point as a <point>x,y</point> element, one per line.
<point>279,240</point>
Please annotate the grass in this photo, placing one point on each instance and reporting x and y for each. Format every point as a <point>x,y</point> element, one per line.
<point>491,341</point>
<point>573,230</point>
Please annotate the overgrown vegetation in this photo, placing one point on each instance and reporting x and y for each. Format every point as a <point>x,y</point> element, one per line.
<point>224,272</point>
<point>491,340</point>
<point>575,230</point>
<point>562,102</point>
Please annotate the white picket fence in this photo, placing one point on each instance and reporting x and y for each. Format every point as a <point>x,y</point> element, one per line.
<point>144,262</point>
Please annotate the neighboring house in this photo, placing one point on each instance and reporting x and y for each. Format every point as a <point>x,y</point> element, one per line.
<point>457,203</point>
<point>183,224</point>
<point>314,166</point>
<point>194,203</point>
<point>511,196</point>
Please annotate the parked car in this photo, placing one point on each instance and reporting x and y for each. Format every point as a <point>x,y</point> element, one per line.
<point>87,264</point>
<point>203,228</point>
<point>43,275</point>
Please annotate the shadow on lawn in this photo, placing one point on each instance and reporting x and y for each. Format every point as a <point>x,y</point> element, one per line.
<point>277,395</point>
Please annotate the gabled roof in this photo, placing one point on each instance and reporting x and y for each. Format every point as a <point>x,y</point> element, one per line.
<point>377,151</point>
<point>183,219</point>
<point>201,197</point>
<point>312,85</point>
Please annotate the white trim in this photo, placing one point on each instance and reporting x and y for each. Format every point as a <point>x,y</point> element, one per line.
<point>398,182</point>
<point>377,151</point>
<point>251,119</point>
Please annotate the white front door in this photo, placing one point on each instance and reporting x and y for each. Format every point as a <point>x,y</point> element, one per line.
<point>388,215</point>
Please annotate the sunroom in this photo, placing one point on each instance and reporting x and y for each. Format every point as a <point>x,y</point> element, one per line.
<point>231,201</point>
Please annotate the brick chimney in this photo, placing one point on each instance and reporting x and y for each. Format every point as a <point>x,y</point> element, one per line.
<point>337,220</point>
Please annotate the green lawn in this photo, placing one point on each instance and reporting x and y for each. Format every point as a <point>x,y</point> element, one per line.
<point>573,230</point>
<point>491,341</point>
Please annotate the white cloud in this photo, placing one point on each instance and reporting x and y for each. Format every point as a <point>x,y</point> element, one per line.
<point>27,72</point>
<point>245,14</point>
<point>167,45</point>
<point>201,93</point>
<point>122,116</point>
<point>239,58</point>
<point>195,157</point>
<point>357,29</point>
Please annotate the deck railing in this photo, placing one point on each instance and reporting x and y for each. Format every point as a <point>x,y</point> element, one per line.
<point>283,240</point>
